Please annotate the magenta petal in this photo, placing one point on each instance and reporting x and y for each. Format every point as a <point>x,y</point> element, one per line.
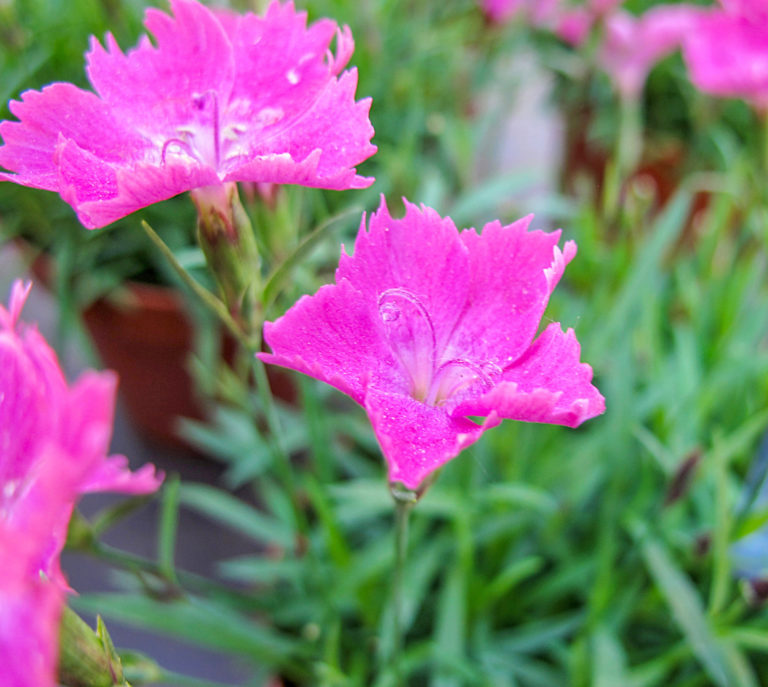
<point>101,193</point>
<point>333,336</point>
<point>727,54</point>
<point>30,607</point>
<point>113,474</point>
<point>309,147</point>
<point>512,274</point>
<point>32,392</point>
<point>632,45</point>
<point>415,438</point>
<point>62,112</point>
<point>547,384</point>
<point>193,55</point>
<point>420,253</point>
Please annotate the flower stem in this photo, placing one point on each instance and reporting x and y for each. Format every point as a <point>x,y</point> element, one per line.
<point>282,460</point>
<point>625,157</point>
<point>203,295</point>
<point>405,499</point>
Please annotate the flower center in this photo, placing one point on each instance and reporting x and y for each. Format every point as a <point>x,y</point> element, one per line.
<point>201,138</point>
<point>411,337</point>
<point>207,138</point>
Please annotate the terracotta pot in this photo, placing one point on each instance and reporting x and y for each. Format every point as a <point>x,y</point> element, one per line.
<point>146,337</point>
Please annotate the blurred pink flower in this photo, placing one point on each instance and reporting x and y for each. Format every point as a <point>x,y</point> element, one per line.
<point>53,442</point>
<point>727,54</point>
<point>633,45</point>
<point>502,10</point>
<point>222,98</point>
<point>573,26</point>
<point>570,21</point>
<point>603,7</point>
<point>426,327</point>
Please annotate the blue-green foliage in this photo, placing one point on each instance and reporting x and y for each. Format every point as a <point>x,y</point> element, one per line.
<point>542,556</point>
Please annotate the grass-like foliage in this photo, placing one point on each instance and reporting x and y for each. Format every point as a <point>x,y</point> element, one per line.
<point>612,555</point>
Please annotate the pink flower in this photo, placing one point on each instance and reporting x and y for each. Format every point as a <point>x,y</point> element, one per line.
<point>426,327</point>
<point>53,443</point>
<point>502,10</point>
<point>573,26</point>
<point>632,45</point>
<point>570,21</point>
<point>222,98</point>
<point>727,54</point>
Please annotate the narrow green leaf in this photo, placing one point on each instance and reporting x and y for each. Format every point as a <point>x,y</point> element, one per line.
<point>201,622</point>
<point>169,521</point>
<point>518,495</point>
<point>450,624</point>
<point>608,660</point>
<point>540,634</point>
<point>275,280</point>
<point>511,576</point>
<point>686,606</point>
<point>230,511</point>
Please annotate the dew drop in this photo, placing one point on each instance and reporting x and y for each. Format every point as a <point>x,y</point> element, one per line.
<point>269,116</point>
<point>389,312</point>
<point>9,488</point>
<point>293,77</point>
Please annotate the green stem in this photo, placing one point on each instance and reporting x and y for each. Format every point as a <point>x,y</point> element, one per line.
<point>282,459</point>
<point>251,342</point>
<point>625,158</point>
<point>405,499</point>
<point>138,564</point>
<point>210,301</point>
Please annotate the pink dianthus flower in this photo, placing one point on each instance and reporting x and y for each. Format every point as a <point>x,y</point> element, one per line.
<point>632,45</point>
<point>502,10</point>
<point>426,327</point>
<point>727,54</point>
<point>53,448</point>
<point>570,21</point>
<point>221,98</point>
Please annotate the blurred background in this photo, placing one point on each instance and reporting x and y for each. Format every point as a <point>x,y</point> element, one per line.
<point>631,551</point>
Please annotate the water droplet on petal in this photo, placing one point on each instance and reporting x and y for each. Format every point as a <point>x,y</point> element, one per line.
<point>459,376</point>
<point>269,115</point>
<point>389,312</point>
<point>411,336</point>
<point>9,488</point>
<point>293,77</point>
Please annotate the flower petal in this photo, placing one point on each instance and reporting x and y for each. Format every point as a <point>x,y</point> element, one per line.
<point>316,144</point>
<point>547,384</point>
<point>334,336</point>
<point>101,193</point>
<point>512,274</point>
<point>59,112</point>
<point>420,253</point>
<point>727,54</point>
<point>31,390</point>
<point>87,435</point>
<point>415,438</point>
<point>155,84</point>
<point>29,621</point>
